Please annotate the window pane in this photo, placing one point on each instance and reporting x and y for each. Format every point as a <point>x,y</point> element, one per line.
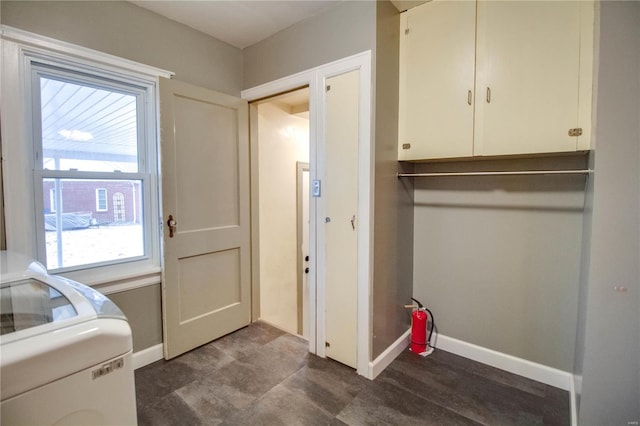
<point>87,128</point>
<point>79,233</point>
<point>101,199</point>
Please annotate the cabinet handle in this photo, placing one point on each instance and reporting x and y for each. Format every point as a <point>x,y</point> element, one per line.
<point>469,97</point>
<point>488,95</point>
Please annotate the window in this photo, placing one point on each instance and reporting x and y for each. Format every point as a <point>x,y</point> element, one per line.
<point>101,200</point>
<point>62,144</point>
<point>92,136</point>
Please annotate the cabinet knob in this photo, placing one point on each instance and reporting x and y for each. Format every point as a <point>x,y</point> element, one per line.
<point>488,95</point>
<point>469,97</point>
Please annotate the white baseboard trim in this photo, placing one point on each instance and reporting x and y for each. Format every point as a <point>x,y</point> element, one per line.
<point>522,367</point>
<point>573,400</point>
<point>147,356</point>
<point>577,383</point>
<point>378,365</point>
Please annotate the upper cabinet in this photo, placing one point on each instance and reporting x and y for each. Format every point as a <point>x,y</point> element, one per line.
<point>495,78</point>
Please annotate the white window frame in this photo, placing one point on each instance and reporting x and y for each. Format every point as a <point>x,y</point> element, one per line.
<point>52,200</point>
<point>20,49</point>
<point>106,200</point>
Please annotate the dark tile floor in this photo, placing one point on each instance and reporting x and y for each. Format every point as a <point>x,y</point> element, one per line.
<point>262,376</point>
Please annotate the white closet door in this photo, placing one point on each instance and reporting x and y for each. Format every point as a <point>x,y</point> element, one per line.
<point>341,227</point>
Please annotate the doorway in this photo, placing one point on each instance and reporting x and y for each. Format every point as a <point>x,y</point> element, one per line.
<point>283,157</point>
<point>318,80</point>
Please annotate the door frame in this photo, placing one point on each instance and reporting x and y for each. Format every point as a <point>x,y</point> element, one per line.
<point>315,79</point>
<point>301,167</point>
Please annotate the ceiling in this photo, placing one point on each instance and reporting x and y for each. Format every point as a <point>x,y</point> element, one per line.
<point>242,23</point>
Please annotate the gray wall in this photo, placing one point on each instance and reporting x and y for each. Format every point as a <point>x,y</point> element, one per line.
<point>125,30</point>
<point>131,32</point>
<point>608,355</point>
<point>344,30</point>
<point>393,214</point>
<point>497,259</point>
<point>142,308</point>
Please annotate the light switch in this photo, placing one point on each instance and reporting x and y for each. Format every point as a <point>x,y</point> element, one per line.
<point>315,188</point>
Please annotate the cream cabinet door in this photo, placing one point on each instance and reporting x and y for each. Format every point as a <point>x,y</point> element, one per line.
<point>437,49</point>
<point>528,70</point>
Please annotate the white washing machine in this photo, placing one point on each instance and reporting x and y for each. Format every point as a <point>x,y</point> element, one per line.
<point>65,351</point>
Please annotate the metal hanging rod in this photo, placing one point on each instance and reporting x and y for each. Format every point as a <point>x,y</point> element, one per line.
<point>514,173</point>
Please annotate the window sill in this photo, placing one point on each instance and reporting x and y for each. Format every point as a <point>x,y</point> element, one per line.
<point>117,278</point>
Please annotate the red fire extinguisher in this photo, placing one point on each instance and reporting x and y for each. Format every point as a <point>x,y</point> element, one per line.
<point>420,342</point>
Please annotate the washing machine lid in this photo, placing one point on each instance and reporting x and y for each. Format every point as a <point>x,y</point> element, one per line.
<point>33,302</point>
<point>30,303</point>
<point>52,327</point>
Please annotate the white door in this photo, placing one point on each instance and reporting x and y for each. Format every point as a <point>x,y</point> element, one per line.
<point>205,190</point>
<point>340,194</point>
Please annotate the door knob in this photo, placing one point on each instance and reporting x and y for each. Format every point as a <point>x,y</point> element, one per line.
<point>171,223</point>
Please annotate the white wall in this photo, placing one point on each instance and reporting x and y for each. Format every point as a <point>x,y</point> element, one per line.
<point>283,139</point>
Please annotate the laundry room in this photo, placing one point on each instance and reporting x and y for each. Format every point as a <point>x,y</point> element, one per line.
<point>260,189</point>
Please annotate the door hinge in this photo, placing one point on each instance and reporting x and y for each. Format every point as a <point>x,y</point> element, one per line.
<point>406,146</point>
<point>575,132</point>
<point>328,87</point>
<point>406,31</point>
<point>327,344</point>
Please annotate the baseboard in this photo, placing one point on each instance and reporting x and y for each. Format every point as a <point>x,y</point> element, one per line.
<point>385,358</point>
<point>147,356</point>
<point>576,388</point>
<point>577,382</point>
<point>522,367</point>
